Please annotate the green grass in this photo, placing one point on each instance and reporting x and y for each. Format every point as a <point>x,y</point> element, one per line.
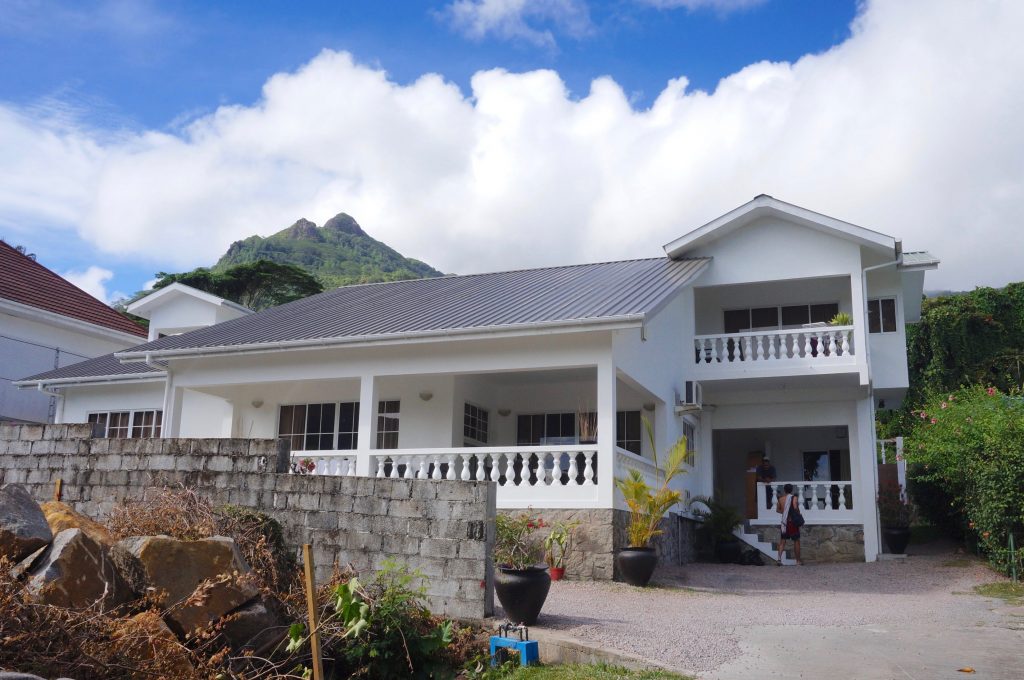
<point>590,672</point>
<point>1013,593</point>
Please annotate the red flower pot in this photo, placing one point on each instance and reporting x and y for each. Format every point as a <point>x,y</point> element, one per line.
<point>556,573</point>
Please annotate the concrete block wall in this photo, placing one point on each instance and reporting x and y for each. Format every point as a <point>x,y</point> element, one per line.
<point>444,528</point>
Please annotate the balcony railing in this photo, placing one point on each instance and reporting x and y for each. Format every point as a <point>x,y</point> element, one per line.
<point>540,476</point>
<point>820,502</point>
<point>797,346</point>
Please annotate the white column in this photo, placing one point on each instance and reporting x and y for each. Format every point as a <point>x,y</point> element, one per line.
<point>606,432</point>
<point>859,307</point>
<point>367,424</point>
<point>864,467</point>
<point>173,398</point>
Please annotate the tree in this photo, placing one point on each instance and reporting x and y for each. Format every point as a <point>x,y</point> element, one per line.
<point>256,285</point>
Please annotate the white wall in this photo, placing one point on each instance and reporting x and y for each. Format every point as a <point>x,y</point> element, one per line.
<point>888,351</point>
<point>205,415</point>
<point>28,347</point>
<point>79,402</point>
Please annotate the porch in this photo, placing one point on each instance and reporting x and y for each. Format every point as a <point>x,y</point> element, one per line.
<point>775,328</point>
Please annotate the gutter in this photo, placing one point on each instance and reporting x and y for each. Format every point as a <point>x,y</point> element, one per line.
<point>51,393</point>
<point>90,380</point>
<point>625,321</point>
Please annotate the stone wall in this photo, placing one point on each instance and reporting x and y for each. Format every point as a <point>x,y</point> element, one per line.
<point>602,532</point>
<point>823,542</point>
<point>441,527</point>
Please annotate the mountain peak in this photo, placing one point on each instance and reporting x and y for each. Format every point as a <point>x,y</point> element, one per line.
<point>344,223</point>
<point>302,229</point>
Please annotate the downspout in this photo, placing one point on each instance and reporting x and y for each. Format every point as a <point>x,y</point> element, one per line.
<point>154,364</point>
<point>49,393</point>
<point>871,389</point>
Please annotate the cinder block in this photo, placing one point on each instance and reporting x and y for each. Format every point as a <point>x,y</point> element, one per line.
<point>424,489</point>
<point>111,461</point>
<point>68,447</point>
<point>219,464</point>
<point>472,550</point>
<point>336,503</point>
<point>439,547</point>
<point>466,569</point>
<point>19,448</point>
<point>161,462</point>
<point>321,520</point>
<point>365,486</point>
<point>370,505</point>
<point>10,432</point>
<point>42,447</point>
<point>31,433</point>
<point>456,491</point>
<point>305,501</point>
<point>408,508</point>
<point>53,431</point>
<point>401,545</point>
<point>365,541</point>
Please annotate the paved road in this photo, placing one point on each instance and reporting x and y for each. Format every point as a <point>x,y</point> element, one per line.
<point>916,620</point>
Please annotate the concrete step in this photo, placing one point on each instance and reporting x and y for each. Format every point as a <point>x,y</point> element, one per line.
<point>768,550</point>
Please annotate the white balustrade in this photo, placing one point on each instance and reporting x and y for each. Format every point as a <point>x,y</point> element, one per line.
<point>539,476</point>
<point>797,346</point>
<point>820,502</point>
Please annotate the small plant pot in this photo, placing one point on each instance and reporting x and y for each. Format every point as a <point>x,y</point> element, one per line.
<point>522,592</point>
<point>557,573</point>
<point>636,565</point>
<point>728,552</point>
<point>896,539</point>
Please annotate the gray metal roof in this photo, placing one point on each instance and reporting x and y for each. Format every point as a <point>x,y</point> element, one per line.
<point>106,365</point>
<point>607,291</point>
<point>919,258</point>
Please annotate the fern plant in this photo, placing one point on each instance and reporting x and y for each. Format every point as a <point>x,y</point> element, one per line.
<point>648,505</point>
<point>841,319</point>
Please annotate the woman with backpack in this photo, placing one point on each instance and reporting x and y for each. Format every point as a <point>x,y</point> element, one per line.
<point>789,507</point>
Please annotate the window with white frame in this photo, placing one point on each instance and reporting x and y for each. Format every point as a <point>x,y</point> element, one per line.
<point>628,431</point>
<point>882,315</point>
<point>127,424</point>
<point>388,413</point>
<point>475,422</point>
<point>320,427</point>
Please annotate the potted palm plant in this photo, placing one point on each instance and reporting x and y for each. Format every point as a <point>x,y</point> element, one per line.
<point>719,521</point>
<point>894,515</point>
<point>557,545</point>
<point>522,581</point>
<point>647,505</point>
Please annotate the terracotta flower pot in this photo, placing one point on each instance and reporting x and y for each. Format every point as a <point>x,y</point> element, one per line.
<point>556,573</point>
<point>522,592</point>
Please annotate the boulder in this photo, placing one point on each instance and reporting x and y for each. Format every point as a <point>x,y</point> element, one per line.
<point>256,626</point>
<point>25,566</point>
<point>210,601</point>
<point>61,516</point>
<point>145,637</point>
<point>177,567</point>
<point>201,578</point>
<point>23,527</point>
<point>76,572</point>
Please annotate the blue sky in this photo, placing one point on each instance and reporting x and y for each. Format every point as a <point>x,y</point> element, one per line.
<point>131,123</point>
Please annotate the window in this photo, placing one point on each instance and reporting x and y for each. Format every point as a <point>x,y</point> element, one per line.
<point>690,432</point>
<point>127,424</point>
<point>788,316</point>
<point>474,423</point>
<point>628,431</point>
<point>320,427</point>
<point>882,315</point>
<point>387,424</point>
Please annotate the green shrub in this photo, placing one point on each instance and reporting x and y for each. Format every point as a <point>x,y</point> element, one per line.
<point>971,444</point>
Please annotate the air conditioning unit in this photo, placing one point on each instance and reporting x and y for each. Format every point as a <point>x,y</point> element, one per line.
<point>691,400</point>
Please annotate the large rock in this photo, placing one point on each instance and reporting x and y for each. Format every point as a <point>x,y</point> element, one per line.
<point>23,527</point>
<point>145,637</point>
<point>76,572</point>
<point>177,567</point>
<point>61,516</point>
<point>203,580</point>
<point>257,626</point>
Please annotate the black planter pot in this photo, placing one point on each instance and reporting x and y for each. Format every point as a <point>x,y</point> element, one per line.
<point>522,592</point>
<point>728,552</point>
<point>636,565</point>
<point>896,539</point>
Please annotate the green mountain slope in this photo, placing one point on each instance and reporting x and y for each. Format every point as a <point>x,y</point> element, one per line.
<point>338,254</point>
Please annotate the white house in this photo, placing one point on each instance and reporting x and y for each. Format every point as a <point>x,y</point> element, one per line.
<point>46,322</point>
<point>506,376</point>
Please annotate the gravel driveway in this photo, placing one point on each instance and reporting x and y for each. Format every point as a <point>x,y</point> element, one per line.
<point>917,618</point>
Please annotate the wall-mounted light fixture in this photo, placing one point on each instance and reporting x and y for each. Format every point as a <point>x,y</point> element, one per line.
<point>426,395</point>
<point>256,403</point>
<point>649,405</point>
<point>504,412</point>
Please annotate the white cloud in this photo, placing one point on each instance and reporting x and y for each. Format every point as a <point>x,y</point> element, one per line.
<point>93,281</point>
<point>720,6</point>
<point>909,127</point>
<point>519,20</point>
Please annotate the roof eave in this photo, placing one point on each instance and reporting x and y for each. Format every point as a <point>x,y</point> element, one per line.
<point>573,325</point>
<point>84,380</point>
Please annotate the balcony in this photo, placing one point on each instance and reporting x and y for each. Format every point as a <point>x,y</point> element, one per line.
<point>821,348</point>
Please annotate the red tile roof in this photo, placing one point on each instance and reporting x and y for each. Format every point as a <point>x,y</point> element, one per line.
<point>24,280</point>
